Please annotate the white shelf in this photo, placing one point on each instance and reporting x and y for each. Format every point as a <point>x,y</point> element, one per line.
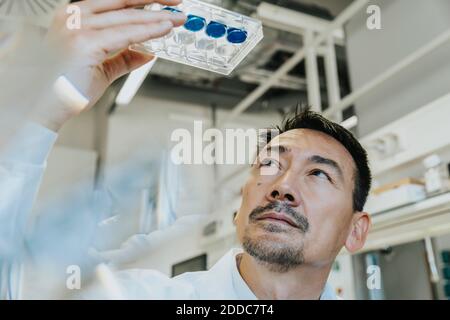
<point>427,218</point>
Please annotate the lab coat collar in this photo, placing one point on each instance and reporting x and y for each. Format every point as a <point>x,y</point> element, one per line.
<point>240,287</point>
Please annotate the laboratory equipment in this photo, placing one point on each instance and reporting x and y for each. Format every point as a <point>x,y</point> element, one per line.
<point>396,194</point>
<point>436,175</point>
<point>212,38</point>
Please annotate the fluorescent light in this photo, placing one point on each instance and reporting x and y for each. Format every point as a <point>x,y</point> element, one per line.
<point>133,83</point>
<point>350,122</point>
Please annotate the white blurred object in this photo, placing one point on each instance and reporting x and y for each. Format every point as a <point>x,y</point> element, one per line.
<point>402,195</point>
<point>386,146</point>
<point>145,212</point>
<point>168,193</point>
<point>140,245</point>
<point>436,175</point>
<point>108,281</point>
<point>350,122</point>
<point>68,94</point>
<point>133,83</point>
<point>9,37</point>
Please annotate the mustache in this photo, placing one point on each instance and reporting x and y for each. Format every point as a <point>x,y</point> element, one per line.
<point>279,206</point>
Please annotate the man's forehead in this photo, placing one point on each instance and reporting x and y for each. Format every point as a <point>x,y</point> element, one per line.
<point>300,137</point>
<point>311,142</point>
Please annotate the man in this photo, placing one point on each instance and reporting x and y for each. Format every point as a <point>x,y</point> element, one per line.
<point>292,223</point>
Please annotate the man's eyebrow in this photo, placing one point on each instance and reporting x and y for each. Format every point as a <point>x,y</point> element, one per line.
<point>328,162</point>
<point>278,148</point>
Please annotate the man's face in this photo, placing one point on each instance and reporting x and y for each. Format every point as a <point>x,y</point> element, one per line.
<point>302,213</point>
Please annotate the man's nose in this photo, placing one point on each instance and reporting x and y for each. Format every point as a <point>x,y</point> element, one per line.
<point>284,192</point>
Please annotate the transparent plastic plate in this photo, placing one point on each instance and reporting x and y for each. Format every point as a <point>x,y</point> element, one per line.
<point>212,38</point>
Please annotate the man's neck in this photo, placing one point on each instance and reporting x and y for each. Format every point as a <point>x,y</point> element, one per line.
<point>301,283</point>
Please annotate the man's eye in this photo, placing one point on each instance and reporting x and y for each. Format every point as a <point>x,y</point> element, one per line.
<point>268,163</point>
<point>321,174</point>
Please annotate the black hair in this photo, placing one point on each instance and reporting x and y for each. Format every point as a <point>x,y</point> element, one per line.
<point>304,118</point>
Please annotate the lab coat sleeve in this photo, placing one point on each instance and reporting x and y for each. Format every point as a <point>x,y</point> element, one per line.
<point>138,284</point>
<point>22,163</point>
<point>141,244</point>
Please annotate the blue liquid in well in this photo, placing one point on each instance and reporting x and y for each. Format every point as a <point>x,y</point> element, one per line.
<point>194,23</point>
<point>236,35</point>
<point>216,30</point>
<point>171,9</point>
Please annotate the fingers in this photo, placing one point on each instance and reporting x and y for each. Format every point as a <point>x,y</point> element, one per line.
<point>124,62</point>
<point>97,6</point>
<point>120,37</point>
<point>132,16</point>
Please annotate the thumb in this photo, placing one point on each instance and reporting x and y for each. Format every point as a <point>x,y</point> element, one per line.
<point>124,62</point>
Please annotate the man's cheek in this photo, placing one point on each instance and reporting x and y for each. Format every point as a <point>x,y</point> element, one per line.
<point>246,192</point>
<point>326,233</point>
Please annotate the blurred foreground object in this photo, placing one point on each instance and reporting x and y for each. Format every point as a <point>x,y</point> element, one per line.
<point>36,12</point>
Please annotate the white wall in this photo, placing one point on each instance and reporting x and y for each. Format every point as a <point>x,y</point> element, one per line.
<point>407,25</point>
<point>417,138</point>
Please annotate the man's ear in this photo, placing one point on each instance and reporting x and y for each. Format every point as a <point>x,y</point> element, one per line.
<point>359,229</point>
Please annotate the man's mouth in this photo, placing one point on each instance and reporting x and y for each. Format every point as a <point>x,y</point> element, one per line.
<point>278,218</point>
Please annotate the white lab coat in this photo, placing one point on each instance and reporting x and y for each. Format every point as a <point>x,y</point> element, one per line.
<point>22,164</point>
<point>21,169</point>
<point>222,282</point>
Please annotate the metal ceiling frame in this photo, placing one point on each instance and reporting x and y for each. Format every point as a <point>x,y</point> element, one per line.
<point>308,50</point>
<point>389,73</point>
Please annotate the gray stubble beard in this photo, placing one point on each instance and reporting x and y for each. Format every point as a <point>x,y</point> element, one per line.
<point>278,260</point>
